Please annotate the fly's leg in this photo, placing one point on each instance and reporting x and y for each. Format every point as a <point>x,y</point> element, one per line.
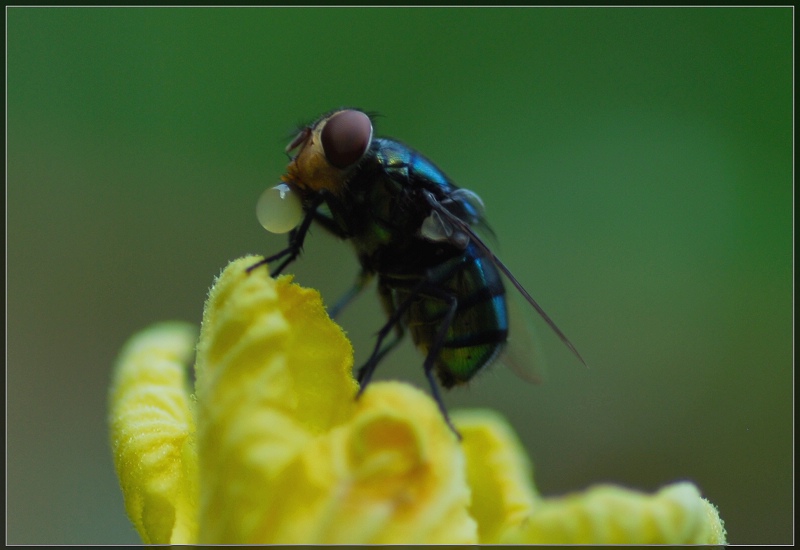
<point>368,369</point>
<point>395,315</point>
<point>430,360</point>
<point>296,238</point>
<point>361,282</point>
<point>424,287</point>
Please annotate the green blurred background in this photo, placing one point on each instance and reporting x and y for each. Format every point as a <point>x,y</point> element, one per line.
<point>636,165</point>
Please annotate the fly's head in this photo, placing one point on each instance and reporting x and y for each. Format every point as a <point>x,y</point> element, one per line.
<point>327,152</point>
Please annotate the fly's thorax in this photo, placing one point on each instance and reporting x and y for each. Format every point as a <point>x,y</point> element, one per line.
<point>408,165</point>
<point>384,215</point>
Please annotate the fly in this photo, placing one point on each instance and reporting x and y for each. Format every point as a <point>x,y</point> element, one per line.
<point>414,230</point>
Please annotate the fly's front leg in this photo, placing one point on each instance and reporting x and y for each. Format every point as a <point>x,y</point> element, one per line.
<point>296,238</point>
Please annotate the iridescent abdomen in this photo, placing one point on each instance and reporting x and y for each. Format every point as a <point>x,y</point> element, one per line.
<point>480,327</point>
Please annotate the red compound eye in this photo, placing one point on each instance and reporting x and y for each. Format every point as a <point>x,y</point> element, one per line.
<point>346,137</point>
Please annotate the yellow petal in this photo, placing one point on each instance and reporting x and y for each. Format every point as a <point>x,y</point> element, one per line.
<point>498,472</point>
<point>152,429</point>
<point>272,371</point>
<point>607,514</point>
<point>393,474</point>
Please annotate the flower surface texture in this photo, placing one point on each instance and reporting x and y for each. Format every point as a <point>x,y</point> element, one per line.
<point>271,445</point>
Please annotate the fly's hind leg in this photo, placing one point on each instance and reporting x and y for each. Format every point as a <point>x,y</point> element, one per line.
<point>436,347</point>
<point>423,288</point>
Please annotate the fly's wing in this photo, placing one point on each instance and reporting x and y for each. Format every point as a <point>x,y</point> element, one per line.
<point>453,222</point>
<point>523,352</point>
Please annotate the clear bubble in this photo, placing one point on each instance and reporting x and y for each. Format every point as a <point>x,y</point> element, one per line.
<point>279,209</point>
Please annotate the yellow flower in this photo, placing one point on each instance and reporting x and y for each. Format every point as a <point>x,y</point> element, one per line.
<point>273,447</point>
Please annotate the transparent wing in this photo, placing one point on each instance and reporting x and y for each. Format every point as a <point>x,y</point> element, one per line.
<point>523,352</point>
